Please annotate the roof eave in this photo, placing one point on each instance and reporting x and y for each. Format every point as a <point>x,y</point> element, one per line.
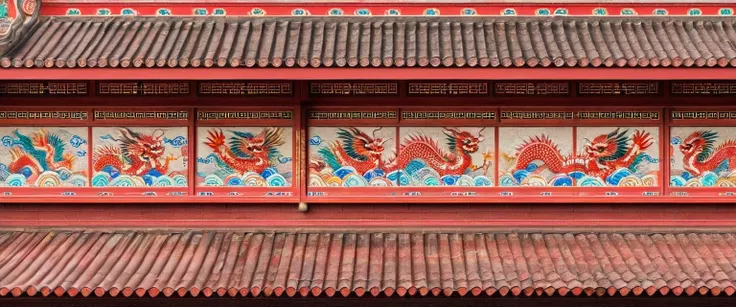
<point>427,73</point>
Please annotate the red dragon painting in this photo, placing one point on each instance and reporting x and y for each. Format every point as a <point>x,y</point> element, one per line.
<point>365,153</point>
<point>701,155</point>
<point>245,152</point>
<point>600,157</point>
<point>353,148</point>
<point>455,161</point>
<point>138,153</point>
<point>608,152</point>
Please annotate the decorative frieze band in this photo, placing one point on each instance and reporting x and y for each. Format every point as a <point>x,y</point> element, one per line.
<point>347,115</point>
<point>606,88</point>
<point>353,88</point>
<point>536,115</point>
<point>143,88</point>
<point>447,89</point>
<point>530,89</point>
<point>427,9</point>
<point>244,88</point>
<point>51,115</point>
<point>626,115</point>
<point>442,115</point>
<point>703,88</point>
<point>372,88</point>
<point>708,115</point>
<point>244,115</point>
<point>131,115</point>
<point>44,88</point>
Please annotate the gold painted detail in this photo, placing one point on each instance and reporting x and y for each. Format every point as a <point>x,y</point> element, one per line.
<point>619,115</point>
<point>52,88</point>
<point>618,88</point>
<point>245,115</point>
<point>353,88</point>
<point>566,115</point>
<point>352,115</point>
<point>243,88</point>
<point>58,115</point>
<point>703,88</point>
<point>680,115</point>
<point>408,115</point>
<point>142,88</point>
<point>448,89</point>
<point>164,115</point>
<point>531,88</point>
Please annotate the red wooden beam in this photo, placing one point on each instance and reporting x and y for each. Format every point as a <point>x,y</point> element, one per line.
<point>368,73</point>
<point>364,216</point>
<point>367,199</point>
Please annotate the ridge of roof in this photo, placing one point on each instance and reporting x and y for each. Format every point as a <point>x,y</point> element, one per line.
<point>376,42</point>
<point>623,2</point>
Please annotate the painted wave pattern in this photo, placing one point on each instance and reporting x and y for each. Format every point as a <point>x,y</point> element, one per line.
<point>224,176</point>
<point>62,177</point>
<point>347,176</point>
<point>270,177</point>
<point>638,175</point>
<point>723,179</point>
<point>109,177</point>
<point>417,173</point>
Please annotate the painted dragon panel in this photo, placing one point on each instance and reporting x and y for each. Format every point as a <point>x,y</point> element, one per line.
<point>352,156</point>
<point>43,157</point>
<point>535,156</point>
<point>452,156</point>
<point>244,156</point>
<point>139,156</point>
<point>703,157</point>
<point>617,156</point>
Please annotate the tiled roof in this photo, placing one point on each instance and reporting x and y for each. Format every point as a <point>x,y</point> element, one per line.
<point>131,263</point>
<point>375,42</point>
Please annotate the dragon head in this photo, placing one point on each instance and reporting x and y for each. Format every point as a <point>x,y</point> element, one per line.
<point>609,146</point>
<point>374,145</point>
<point>245,144</point>
<point>253,145</point>
<point>463,140</point>
<point>265,140</point>
<point>144,147</point>
<point>359,145</point>
<point>699,143</point>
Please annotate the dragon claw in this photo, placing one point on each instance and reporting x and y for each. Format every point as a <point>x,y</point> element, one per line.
<point>487,155</point>
<point>642,139</point>
<point>215,139</point>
